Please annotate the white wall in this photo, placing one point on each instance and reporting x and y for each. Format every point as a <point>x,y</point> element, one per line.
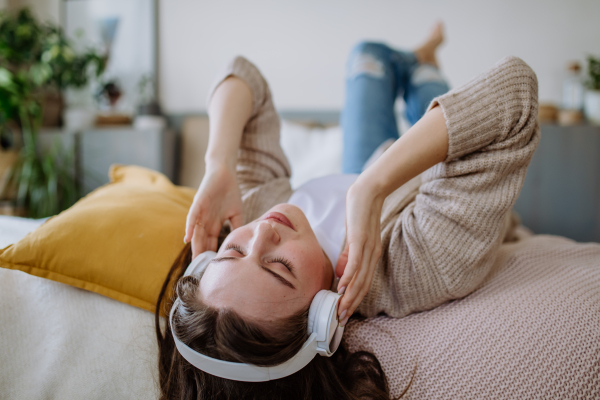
<point>301,45</point>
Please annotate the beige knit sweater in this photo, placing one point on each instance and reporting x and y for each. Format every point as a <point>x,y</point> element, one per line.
<point>440,232</point>
<point>532,330</point>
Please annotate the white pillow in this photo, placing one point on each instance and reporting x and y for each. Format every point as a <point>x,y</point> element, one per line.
<point>313,152</point>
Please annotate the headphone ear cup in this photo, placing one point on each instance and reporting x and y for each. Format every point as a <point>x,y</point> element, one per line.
<point>322,321</point>
<point>200,262</point>
<point>313,311</point>
<point>336,339</point>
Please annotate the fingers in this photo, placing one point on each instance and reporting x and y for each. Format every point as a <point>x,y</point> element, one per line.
<point>358,277</point>
<point>236,221</point>
<point>349,270</point>
<point>340,266</point>
<point>211,243</point>
<point>356,290</point>
<point>362,284</point>
<point>190,223</point>
<point>205,238</point>
<point>354,262</point>
<point>198,240</point>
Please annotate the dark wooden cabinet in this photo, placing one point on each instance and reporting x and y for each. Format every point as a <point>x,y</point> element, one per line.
<point>561,194</point>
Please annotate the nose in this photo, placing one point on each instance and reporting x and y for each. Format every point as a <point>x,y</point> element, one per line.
<point>264,237</point>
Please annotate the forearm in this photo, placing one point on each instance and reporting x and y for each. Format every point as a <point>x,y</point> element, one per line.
<point>229,110</point>
<point>420,148</point>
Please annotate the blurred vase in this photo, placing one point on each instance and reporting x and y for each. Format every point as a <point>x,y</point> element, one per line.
<point>572,93</point>
<point>78,118</point>
<point>143,122</point>
<point>150,108</point>
<point>591,106</point>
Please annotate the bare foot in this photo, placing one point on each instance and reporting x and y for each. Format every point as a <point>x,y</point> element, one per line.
<point>426,52</point>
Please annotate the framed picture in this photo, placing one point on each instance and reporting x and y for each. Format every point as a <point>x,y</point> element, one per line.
<point>127,31</point>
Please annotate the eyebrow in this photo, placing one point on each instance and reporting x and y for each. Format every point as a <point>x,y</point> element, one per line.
<point>274,274</point>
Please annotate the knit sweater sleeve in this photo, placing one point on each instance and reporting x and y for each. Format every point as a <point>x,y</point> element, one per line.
<point>498,105</point>
<point>263,170</point>
<point>443,245</point>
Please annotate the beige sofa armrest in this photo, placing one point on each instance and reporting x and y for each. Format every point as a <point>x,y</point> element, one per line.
<point>194,141</point>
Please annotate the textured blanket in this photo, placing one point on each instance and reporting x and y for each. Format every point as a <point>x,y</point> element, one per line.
<point>531,332</point>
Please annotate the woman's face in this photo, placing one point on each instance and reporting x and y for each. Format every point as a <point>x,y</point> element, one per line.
<point>268,269</point>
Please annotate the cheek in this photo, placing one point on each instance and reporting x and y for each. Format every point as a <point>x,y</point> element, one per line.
<point>310,258</point>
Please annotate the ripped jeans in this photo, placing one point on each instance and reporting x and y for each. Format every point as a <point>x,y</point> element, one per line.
<point>376,76</point>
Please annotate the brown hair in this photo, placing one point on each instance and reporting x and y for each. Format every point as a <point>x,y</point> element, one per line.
<point>223,334</point>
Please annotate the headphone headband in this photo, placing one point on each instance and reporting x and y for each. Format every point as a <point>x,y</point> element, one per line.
<point>324,331</point>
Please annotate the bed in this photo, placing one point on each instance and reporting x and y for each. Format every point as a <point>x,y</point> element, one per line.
<point>61,342</point>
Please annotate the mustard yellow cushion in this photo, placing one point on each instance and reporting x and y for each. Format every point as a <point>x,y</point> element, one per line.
<point>119,241</point>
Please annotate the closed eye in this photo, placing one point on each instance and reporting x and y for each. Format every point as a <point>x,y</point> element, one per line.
<point>286,263</point>
<point>233,246</point>
<point>274,274</point>
<point>283,261</point>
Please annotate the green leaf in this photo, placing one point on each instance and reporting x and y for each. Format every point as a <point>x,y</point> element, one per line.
<point>67,53</point>
<point>24,181</point>
<point>54,51</point>
<point>40,73</point>
<point>24,31</point>
<point>47,56</point>
<point>6,79</point>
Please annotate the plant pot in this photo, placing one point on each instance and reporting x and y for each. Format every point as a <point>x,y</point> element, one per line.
<point>591,106</point>
<point>8,158</point>
<point>53,109</point>
<point>8,208</point>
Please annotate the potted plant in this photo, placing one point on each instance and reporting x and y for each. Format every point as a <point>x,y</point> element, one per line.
<point>149,115</point>
<point>36,57</point>
<point>591,102</point>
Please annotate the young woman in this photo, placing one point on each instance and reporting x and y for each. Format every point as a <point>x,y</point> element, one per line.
<point>418,227</point>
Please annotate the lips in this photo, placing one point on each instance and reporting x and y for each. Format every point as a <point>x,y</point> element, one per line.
<point>279,217</point>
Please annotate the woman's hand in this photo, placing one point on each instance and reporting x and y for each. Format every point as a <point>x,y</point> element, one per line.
<point>217,200</point>
<point>363,246</point>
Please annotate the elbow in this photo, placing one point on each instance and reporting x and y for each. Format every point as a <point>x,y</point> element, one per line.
<point>518,81</point>
<point>517,88</point>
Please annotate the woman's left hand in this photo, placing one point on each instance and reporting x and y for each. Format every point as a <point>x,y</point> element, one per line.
<point>363,246</point>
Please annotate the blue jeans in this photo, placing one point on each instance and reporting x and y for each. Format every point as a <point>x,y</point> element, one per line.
<point>376,76</point>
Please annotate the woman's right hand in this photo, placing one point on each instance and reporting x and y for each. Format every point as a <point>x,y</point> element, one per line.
<point>358,261</point>
<point>217,200</point>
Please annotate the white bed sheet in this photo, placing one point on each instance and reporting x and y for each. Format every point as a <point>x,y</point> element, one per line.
<point>13,229</point>
<point>60,342</point>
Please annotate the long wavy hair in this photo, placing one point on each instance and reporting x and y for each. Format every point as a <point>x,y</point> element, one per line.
<point>223,334</point>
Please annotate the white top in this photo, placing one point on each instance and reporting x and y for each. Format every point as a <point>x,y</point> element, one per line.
<point>323,201</point>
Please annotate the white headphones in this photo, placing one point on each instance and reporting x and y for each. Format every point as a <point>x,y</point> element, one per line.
<point>324,332</point>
